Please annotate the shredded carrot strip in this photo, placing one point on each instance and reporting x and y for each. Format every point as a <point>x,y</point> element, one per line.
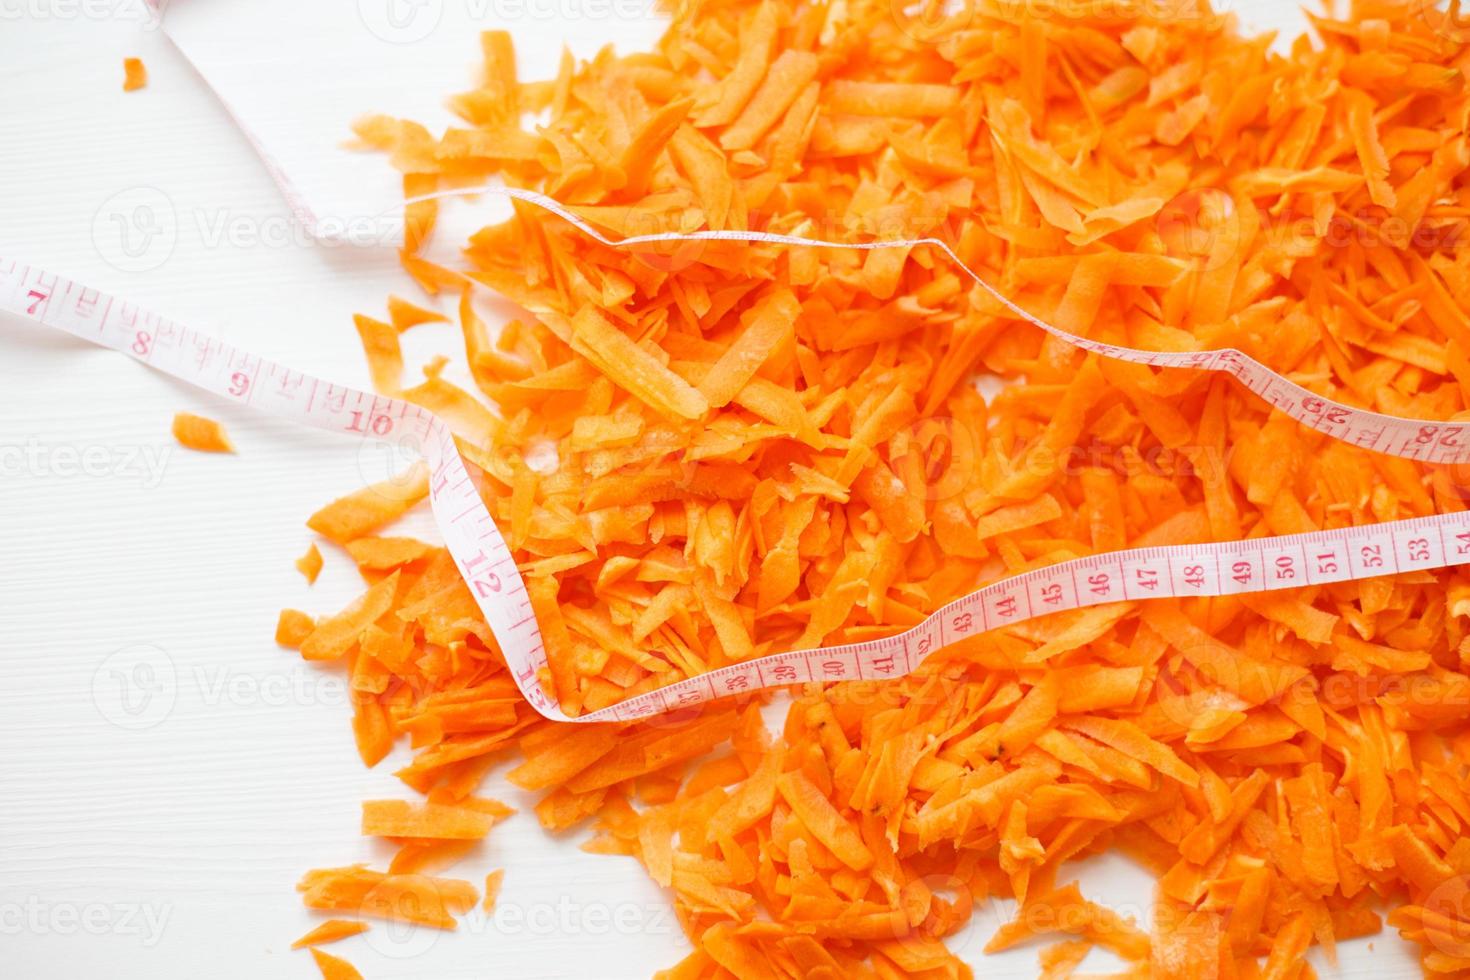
<point>402,898</point>
<point>135,74</point>
<point>399,818</point>
<point>310,564</point>
<point>329,932</point>
<point>201,434</point>
<point>334,968</point>
<point>493,881</point>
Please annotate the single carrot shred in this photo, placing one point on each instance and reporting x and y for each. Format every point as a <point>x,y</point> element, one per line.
<point>334,968</point>
<point>493,881</point>
<point>438,821</point>
<point>404,314</point>
<point>330,932</point>
<point>199,433</point>
<point>135,74</point>
<point>310,564</point>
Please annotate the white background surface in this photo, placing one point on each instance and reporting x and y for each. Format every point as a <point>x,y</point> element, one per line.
<point>166,772</point>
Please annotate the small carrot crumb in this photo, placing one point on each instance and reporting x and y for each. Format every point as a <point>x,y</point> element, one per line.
<point>493,882</point>
<point>135,76</point>
<point>310,564</point>
<point>202,434</point>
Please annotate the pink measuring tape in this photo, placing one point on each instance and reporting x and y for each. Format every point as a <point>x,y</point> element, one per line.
<point>489,568</point>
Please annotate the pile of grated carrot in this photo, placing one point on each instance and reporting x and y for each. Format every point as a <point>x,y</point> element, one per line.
<point>706,452</point>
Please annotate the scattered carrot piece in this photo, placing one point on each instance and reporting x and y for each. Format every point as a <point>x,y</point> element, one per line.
<point>330,932</point>
<point>493,881</point>
<point>310,564</point>
<point>399,818</point>
<point>202,434</point>
<point>401,898</point>
<point>404,314</point>
<point>135,75</point>
<point>370,508</point>
<point>334,968</point>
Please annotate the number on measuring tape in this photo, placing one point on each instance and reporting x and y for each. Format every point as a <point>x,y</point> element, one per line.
<point>367,422</point>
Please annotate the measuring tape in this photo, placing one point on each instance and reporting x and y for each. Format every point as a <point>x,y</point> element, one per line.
<point>489,568</point>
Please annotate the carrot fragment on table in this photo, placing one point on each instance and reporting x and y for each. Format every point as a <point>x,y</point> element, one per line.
<point>334,968</point>
<point>335,635</point>
<point>412,898</point>
<point>366,510</point>
<point>400,818</point>
<point>310,564</point>
<point>330,932</point>
<point>200,433</point>
<point>135,74</point>
<point>384,353</point>
<point>405,315</point>
<point>493,881</point>
<point>386,553</point>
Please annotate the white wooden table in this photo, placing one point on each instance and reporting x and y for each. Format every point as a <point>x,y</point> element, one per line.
<point>166,772</point>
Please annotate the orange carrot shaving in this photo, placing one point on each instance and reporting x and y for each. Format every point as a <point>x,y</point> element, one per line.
<point>401,898</point>
<point>493,881</point>
<point>310,564</point>
<point>201,434</point>
<point>399,818</point>
<point>329,932</point>
<point>384,355</point>
<point>370,508</point>
<point>404,314</point>
<point>334,968</point>
<point>135,74</point>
